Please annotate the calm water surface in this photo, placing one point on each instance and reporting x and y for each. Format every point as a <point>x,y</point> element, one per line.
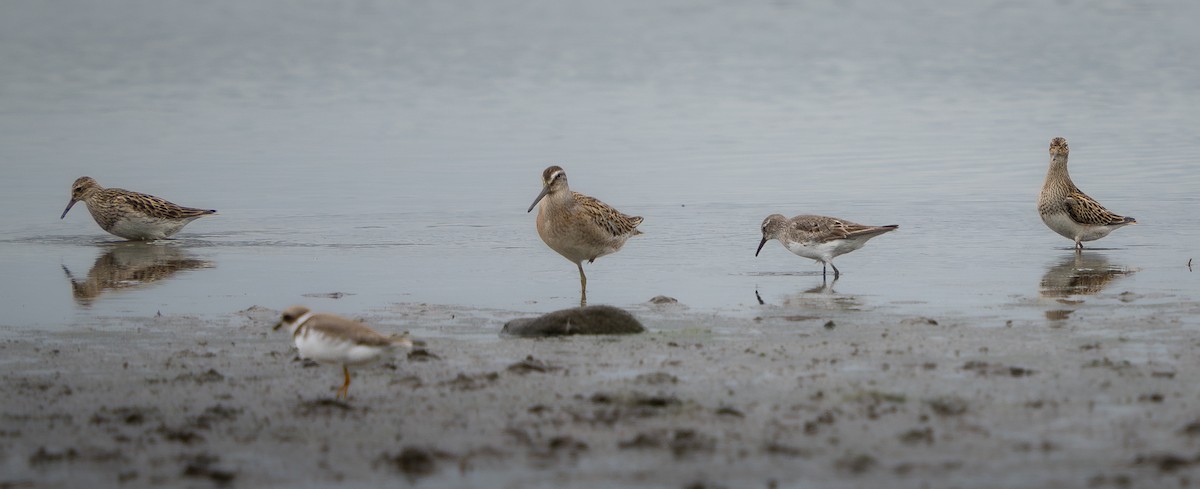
<point>388,151</point>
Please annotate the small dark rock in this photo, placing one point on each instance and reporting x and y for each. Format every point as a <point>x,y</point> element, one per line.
<point>1155,397</point>
<point>205,466</point>
<point>655,378</point>
<point>566,443</point>
<point>415,462</point>
<point>590,320</point>
<point>530,364</point>
<point>324,406</point>
<point>642,440</point>
<point>855,464</point>
<point>830,324</point>
<point>776,448</point>
<point>180,435</point>
<point>947,406</point>
<point>421,355</point>
<point>729,411</point>
<point>472,382</point>
<point>45,455</point>
<point>202,378</point>
<point>917,435</point>
<point>1165,462</point>
<point>662,299</point>
<point>685,442</point>
<point>1192,429</point>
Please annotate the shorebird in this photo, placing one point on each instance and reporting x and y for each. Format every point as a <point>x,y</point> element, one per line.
<point>820,238</point>
<point>131,215</point>
<point>579,227</point>
<point>330,339</point>
<point>1067,210</point>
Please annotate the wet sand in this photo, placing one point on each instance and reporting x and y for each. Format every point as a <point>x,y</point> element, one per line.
<point>809,393</point>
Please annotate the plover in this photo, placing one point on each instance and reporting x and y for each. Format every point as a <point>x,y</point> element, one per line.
<point>330,339</point>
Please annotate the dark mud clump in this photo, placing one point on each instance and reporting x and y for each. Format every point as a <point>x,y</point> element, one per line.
<point>206,466</point>
<point>531,365</point>
<point>590,320</point>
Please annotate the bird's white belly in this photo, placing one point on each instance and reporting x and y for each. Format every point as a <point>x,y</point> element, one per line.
<point>823,252</point>
<point>146,228</point>
<point>1062,224</point>
<point>325,349</point>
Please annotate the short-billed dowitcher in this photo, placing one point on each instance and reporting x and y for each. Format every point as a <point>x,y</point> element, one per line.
<point>579,227</point>
<point>330,339</point>
<point>131,215</point>
<point>1068,211</point>
<point>818,237</point>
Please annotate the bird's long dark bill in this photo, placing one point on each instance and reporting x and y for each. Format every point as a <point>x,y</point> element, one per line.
<point>277,326</point>
<point>760,245</point>
<point>69,205</point>
<point>545,190</point>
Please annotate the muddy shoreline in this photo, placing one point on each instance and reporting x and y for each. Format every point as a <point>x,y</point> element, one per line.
<point>781,397</point>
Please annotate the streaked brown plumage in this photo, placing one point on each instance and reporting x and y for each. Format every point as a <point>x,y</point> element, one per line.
<point>1067,210</point>
<point>820,238</point>
<point>327,338</point>
<point>1080,274</point>
<point>579,227</point>
<point>132,265</point>
<point>131,215</point>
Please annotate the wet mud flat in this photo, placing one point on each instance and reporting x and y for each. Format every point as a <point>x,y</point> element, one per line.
<point>782,397</point>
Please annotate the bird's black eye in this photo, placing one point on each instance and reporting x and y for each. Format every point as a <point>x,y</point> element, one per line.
<point>289,317</point>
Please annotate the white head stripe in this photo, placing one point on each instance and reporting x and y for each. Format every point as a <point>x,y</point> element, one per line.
<point>301,320</point>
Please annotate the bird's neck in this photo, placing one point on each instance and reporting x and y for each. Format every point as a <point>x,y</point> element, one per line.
<point>559,199</point>
<point>1058,169</point>
<point>300,322</point>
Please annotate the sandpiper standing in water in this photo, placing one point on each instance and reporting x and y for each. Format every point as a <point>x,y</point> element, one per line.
<point>330,339</point>
<point>131,215</point>
<point>820,238</point>
<point>1068,211</point>
<point>579,227</point>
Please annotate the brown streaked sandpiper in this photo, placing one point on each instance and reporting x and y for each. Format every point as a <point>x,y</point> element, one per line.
<point>330,339</point>
<point>579,227</point>
<point>820,238</point>
<point>131,215</point>
<point>1067,210</point>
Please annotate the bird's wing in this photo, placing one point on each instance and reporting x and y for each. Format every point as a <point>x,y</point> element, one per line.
<point>824,229</point>
<point>612,220</point>
<point>354,331</point>
<point>1085,210</point>
<point>151,205</point>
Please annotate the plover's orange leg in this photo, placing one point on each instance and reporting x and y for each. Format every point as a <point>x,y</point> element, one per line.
<point>344,391</point>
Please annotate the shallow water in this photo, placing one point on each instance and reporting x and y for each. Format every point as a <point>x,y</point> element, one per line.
<point>388,151</point>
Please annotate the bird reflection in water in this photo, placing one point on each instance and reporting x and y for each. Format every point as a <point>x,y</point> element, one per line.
<point>1080,274</point>
<point>131,265</point>
<point>820,297</point>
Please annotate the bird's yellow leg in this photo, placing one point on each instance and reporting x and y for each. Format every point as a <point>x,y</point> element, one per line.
<point>582,286</point>
<point>344,391</point>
